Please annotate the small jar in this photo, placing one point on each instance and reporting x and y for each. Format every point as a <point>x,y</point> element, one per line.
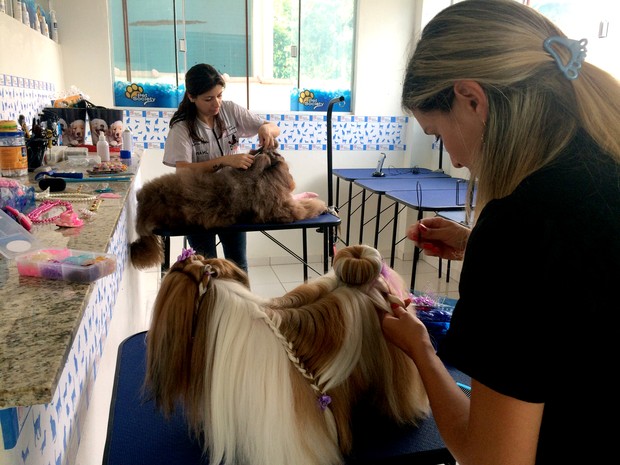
<point>13,153</point>
<point>126,157</point>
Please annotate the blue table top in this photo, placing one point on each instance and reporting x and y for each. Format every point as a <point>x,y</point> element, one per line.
<point>383,185</point>
<point>351,174</point>
<point>325,219</point>
<point>431,199</point>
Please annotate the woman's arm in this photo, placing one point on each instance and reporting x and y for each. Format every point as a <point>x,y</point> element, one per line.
<point>488,429</point>
<point>240,160</point>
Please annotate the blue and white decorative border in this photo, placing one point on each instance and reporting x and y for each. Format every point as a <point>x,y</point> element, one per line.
<point>298,131</point>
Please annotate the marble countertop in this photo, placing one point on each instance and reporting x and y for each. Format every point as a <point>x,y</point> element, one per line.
<point>39,318</point>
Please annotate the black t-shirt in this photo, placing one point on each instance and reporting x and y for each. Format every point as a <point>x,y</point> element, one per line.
<point>537,317</point>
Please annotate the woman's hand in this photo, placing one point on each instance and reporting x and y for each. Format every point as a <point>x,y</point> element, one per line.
<point>267,134</point>
<point>239,160</point>
<point>440,237</point>
<point>403,329</point>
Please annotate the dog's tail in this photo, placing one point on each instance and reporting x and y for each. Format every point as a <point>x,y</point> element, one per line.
<point>147,252</point>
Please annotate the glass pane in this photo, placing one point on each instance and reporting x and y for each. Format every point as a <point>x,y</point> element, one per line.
<point>149,76</point>
<point>326,53</point>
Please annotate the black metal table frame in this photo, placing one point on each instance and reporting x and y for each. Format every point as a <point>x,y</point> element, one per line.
<point>323,223</point>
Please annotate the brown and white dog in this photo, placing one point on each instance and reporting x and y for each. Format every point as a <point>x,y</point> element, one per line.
<point>274,381</point>
<point>191,197</point>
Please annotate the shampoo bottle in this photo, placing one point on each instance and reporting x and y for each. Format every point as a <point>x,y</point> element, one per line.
<point>54,31</point>
<point>103,148</point>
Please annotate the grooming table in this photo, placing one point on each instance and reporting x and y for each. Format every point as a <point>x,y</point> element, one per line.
<point>139,435</point>
<point>322,223</point>
<point>421,199</point>
<point>380,186</point>
<point>353,174</point>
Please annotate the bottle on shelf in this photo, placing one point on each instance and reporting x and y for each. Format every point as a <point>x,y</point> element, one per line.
<point>103,148</point>
<point>127,140</point>
<point>54,31</point>
<point>25,15</point>
<point>17,10</point>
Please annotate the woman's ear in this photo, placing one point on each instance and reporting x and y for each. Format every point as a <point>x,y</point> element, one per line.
<point>472,94</point>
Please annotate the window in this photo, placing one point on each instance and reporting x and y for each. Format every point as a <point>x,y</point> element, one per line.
<point>280,55</point>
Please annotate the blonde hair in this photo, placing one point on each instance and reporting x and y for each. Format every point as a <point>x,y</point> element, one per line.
<point>534,110</point>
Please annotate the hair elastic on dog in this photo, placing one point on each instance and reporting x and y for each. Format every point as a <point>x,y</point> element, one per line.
<point>577,50</point>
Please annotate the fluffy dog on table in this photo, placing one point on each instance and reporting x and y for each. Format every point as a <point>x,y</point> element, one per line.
<point>274,381</point>
<point>191,197</point>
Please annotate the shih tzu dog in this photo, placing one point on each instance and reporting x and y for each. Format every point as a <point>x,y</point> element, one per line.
<point>190,197</point>
<point>274,381</point>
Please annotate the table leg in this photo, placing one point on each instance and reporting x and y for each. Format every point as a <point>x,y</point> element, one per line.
<point>304,240</point>
<point>393,252</point>
<point>416,257</point>
<point>378,220</point>
<point>165,266</point>
<point>362,216</point>
<point>349,211</point>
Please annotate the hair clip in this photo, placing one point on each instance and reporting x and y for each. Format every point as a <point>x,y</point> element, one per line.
<point>324,401</point>
<point>185,254</point>
<point>577,50</point>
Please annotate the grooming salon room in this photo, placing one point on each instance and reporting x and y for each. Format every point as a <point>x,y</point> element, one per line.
<point>348,161</point>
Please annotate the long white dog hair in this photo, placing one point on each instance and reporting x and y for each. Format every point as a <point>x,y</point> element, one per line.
<point>274,381</point>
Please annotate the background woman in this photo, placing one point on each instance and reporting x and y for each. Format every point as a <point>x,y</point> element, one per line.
<point>204,135</point>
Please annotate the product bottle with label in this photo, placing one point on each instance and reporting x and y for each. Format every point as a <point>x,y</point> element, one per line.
<point>54,31</point>
<point>13,153</point>
<point>103,148</point>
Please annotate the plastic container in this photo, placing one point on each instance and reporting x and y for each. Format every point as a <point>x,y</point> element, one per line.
<point>33,259</point>
<point>13,153</point>
<point>103,148</point>
<point>127,140</point>
<point>77,266</point>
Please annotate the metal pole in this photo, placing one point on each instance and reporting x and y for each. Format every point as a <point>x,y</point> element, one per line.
<point>330,105</point>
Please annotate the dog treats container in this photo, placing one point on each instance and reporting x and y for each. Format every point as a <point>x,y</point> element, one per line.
<point>13,153</point>
<point>33,259</point>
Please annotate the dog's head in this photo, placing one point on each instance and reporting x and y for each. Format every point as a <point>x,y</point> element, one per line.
<point>116,131</point>
<point>270,162</point>
<point>98,125</point>
<point>173,329</point>
<point>76,129</point>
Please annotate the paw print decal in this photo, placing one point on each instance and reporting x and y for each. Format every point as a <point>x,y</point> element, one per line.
<point>133,90</point>
<point>306,97</point>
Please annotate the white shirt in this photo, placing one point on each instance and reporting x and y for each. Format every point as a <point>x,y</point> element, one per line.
<point>238,123</point>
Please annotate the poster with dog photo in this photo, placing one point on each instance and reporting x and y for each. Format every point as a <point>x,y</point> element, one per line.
<point>72,124</point>
<point>110,122</point>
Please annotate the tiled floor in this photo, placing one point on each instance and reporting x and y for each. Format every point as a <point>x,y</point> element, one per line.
<point>267,281</point>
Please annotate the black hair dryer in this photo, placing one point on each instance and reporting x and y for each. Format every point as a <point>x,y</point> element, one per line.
<point>379,171</point>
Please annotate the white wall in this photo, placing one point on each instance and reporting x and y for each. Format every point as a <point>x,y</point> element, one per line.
<point>85,39</point>
<point>27,53</point>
